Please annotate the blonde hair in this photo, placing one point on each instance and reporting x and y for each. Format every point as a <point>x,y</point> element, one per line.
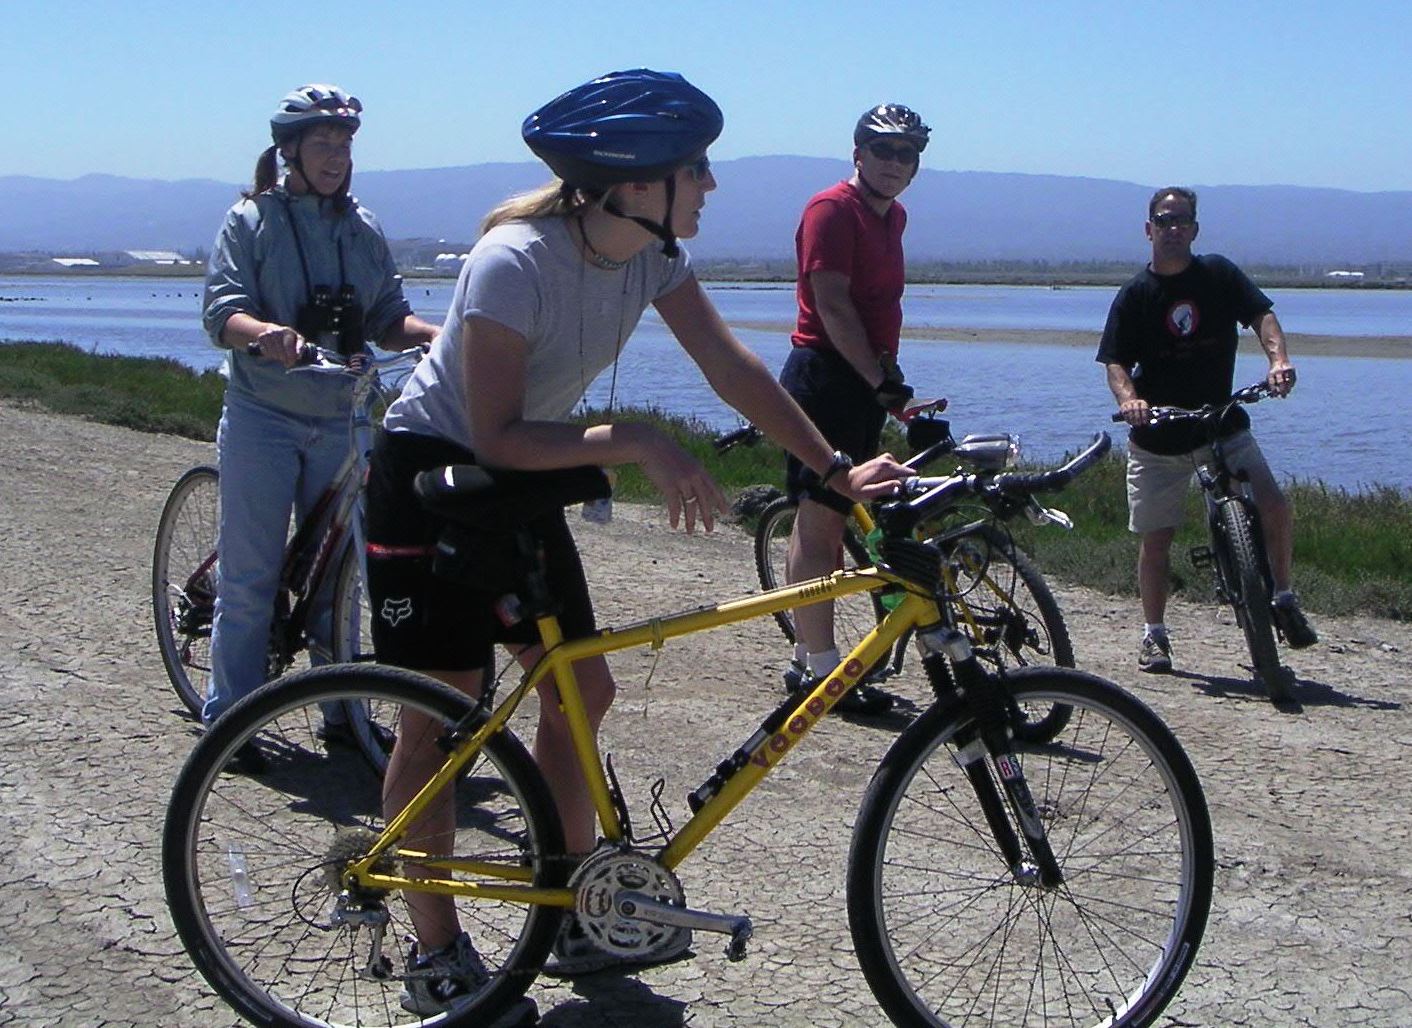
<point>555,199</point>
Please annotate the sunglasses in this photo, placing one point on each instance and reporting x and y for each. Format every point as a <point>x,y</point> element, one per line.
<point>888,152</point>
<point>699,168</point>
<point>1167,219</point>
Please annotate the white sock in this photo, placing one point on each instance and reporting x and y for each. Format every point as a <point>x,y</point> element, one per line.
<point>824,662</point>
<point>1157,631</point>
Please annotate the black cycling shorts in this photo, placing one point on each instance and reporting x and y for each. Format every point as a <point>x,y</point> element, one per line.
<point>422,620</point>
<point>843,407</point>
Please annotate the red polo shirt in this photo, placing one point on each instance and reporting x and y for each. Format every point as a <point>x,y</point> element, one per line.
<point>840,232</point>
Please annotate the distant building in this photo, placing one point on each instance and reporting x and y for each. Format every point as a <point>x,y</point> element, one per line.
<point>76,262</point>
<point>1343,274</point>
<point>157,257</point>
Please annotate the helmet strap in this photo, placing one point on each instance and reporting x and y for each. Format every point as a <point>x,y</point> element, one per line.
<point>662,231</point>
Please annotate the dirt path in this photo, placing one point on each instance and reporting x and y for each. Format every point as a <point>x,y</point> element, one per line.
<point>1313,911</point>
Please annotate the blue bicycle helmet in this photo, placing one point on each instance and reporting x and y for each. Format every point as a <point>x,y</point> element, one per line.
<point>627,126</point>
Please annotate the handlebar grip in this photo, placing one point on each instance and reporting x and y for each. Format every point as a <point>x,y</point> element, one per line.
<point>1056,478</point>
<point>308,352</point>
<point>748,435</point>
<point>1116,416</point>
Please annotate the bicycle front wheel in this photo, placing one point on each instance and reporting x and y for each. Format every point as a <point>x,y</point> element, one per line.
<point>854,616</point>
<point>251,863</point>
<point>1252,602</point>
<point>184,582</point>
<point>1002,602</point>
<point>948,934</point>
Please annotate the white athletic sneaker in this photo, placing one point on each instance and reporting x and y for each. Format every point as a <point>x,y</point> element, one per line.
<point>452,975</point>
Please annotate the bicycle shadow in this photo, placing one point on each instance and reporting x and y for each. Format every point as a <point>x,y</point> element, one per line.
<point>1303,692</point>
<point>622,993</point>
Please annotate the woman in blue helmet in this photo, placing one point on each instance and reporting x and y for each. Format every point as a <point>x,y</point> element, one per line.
<point>546,300</point>
<point>294,241</point>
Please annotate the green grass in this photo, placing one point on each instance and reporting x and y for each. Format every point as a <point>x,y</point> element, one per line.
<point>1352,551</point>
<point>143,393</point>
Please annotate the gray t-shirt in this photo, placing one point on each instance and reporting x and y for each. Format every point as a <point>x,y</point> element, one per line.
<point>575,318</point>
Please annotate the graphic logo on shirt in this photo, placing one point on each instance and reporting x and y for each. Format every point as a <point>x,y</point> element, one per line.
<point>397,610</point>
<point>1182,319</point>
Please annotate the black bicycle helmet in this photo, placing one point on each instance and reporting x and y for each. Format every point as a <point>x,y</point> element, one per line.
<point>891,120</point>
<point>311,104</point>
<point>627,126</point>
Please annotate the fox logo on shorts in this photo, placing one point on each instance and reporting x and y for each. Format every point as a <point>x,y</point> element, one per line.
<point>395,611</point>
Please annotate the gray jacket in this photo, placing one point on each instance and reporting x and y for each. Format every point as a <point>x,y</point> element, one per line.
<point>255,268</point>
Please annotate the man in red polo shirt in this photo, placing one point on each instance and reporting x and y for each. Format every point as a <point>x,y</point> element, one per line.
<point>843,368</point>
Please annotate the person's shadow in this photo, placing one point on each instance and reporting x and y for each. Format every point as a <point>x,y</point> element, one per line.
<point>632,1002</point>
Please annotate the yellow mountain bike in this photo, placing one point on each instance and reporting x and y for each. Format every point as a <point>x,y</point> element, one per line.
<point>990,881</point>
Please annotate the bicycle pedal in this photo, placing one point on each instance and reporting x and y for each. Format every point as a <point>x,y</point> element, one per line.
<point>1201,556</point>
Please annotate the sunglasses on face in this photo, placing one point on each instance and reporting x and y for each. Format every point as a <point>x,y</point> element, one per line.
<point>1167,219</point>
<point>699,168</point>
<point>888,152</point>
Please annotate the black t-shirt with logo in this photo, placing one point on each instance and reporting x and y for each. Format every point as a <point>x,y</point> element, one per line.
<point>1176,336</point>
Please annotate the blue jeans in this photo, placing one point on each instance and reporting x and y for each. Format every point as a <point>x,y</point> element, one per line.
<point>272,462</point>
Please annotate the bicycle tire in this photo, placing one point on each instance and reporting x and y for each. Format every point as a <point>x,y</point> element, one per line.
<point>372,728</point>
<point>947,935</point>
<point>1251,598</point>
<point>261,932</point>
<point>854,616</point>
<point>1008,611</point>
<point>184,582</point>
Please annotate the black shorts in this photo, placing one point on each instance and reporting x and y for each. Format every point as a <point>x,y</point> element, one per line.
<point>843,407</point>
<point>422,620</point>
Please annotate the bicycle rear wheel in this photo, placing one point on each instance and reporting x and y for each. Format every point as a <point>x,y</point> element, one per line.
<point>184,582</point>
<point>372,727</point>
<point>1252,599</point>
<point>948,934</point>
<point>1008,611</point>
<point>853,616</point>
<point>251,864</point>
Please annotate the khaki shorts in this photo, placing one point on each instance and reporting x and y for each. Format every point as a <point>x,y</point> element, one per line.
<point>1158,483</point>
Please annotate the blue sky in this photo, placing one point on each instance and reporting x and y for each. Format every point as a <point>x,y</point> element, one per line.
<point>1201,92</point>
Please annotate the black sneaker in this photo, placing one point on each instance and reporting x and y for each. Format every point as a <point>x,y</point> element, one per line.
<point>339,733</point>
<point>1292,623</point>
<point>861,699</point>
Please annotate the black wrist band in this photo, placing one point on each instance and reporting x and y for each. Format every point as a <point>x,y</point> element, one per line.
<point>841,462</point>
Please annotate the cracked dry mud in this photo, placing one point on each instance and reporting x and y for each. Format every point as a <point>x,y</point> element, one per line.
<point>1312,919</point>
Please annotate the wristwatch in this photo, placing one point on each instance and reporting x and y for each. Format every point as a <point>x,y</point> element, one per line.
<point>841,463</point>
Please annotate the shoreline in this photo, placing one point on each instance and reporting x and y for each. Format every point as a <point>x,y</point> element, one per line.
<point>1300,344</point>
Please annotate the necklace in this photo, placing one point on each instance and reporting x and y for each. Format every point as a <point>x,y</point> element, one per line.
<point>595,258</point>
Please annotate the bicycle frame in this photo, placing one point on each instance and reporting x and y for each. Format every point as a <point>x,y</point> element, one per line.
<point>779,734</point>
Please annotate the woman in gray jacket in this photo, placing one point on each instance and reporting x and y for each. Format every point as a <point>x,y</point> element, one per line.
<point>296,260</point>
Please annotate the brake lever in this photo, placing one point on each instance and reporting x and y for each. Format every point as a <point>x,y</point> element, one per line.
<point>1042,515</point>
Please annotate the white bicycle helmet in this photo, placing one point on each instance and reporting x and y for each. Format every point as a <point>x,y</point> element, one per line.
<point>313,103</point>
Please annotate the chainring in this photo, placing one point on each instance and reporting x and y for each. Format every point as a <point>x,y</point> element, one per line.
<point>597,883</point>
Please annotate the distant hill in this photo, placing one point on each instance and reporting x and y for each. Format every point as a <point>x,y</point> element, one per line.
<point>960,216</point>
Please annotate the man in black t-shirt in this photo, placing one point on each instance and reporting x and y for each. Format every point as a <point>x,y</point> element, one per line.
<point>1171,340</point>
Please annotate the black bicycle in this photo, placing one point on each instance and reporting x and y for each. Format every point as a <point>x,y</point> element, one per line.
<point>1237,554</point>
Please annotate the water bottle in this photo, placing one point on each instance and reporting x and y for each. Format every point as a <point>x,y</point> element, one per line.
<point>239,876</point>
<point>891,596</point>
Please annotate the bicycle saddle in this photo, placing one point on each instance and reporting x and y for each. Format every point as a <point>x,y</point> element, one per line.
<point>500,499</point>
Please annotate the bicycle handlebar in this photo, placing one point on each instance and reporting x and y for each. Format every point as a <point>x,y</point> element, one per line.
<point>1158,415</point>
<point>1014,483</point>
<point>1003,492</point>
